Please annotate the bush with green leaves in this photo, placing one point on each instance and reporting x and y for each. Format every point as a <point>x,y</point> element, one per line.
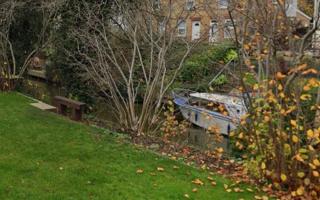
<point>202,66</point>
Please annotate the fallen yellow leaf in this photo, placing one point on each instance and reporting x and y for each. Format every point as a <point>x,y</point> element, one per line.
<point>300,191</point>
<point>160,169</point>
<point>306,181</point>
<point>301,174</point>
<point>249,190</point>
<point>283,177</point>
<point>293,123</point>
<point>237,189</point>
<point>197,182</point>
<point>316,162</point>
<point>295,139</point>
<point>310,133</point>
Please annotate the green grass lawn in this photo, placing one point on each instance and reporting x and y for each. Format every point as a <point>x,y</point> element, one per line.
<point>44,156</point>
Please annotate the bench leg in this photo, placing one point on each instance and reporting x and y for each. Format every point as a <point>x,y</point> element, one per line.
<point>62,109</point>
<point>77,114</point>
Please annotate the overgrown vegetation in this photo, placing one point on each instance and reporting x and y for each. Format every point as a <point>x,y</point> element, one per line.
<point>280,139</point>
<point>204,64</point>
<point>279,136</point>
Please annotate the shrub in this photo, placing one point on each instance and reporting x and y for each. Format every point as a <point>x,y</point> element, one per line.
<point>278,136</point>
<point>202,65</point>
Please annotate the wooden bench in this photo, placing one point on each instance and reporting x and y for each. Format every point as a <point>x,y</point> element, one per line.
<point>63,103</point>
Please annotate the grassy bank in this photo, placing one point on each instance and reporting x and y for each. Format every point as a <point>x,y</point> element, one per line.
<point>44,156</point>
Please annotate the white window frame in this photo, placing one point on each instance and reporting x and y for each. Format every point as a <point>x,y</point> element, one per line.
<point>180,27</point>
<point>228,29</point>
<point>162,26</point>
<point>213,35</point>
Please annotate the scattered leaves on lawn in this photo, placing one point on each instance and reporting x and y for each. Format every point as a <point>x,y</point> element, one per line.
<point>261,197</point>
<point>210,178</point>
<point>175,167</point>
<point>194,190</point>
<point>139,171</point>
<point>160,169</point>
<point>186,196</point>
<point>197,182</point>
<point>249,190</point>
<point>237,189</point>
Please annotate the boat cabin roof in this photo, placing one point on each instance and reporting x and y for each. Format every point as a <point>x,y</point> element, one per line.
<point>225,99</point>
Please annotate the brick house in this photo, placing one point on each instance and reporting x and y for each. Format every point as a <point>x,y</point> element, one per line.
<point>209,19</point>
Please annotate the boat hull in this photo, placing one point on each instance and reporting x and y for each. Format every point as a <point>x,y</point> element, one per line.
<point>208,120</point>
<point>205,118</point>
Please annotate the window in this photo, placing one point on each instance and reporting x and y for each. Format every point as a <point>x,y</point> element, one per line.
<point>119,21</point>
<point>156,4</point>
<point>223,3</point>
<point>182,28</point>
<point>228,29</point>
<point>190,5</point>
<point>291,8</point>
<point>162,26</point>
<point>214,31</point>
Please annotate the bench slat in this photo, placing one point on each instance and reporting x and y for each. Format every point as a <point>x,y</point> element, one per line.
<point>70,102</point>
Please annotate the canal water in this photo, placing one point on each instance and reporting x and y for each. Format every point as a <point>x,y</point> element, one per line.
<point>45,91</point>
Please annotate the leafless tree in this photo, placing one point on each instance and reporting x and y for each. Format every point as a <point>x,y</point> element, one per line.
<point>8,9</point>
<point>49,10</point>
<point>126,51</point>
<point>6,51</point>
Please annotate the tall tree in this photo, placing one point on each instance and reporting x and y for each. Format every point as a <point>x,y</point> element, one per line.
<point>125,51</point>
